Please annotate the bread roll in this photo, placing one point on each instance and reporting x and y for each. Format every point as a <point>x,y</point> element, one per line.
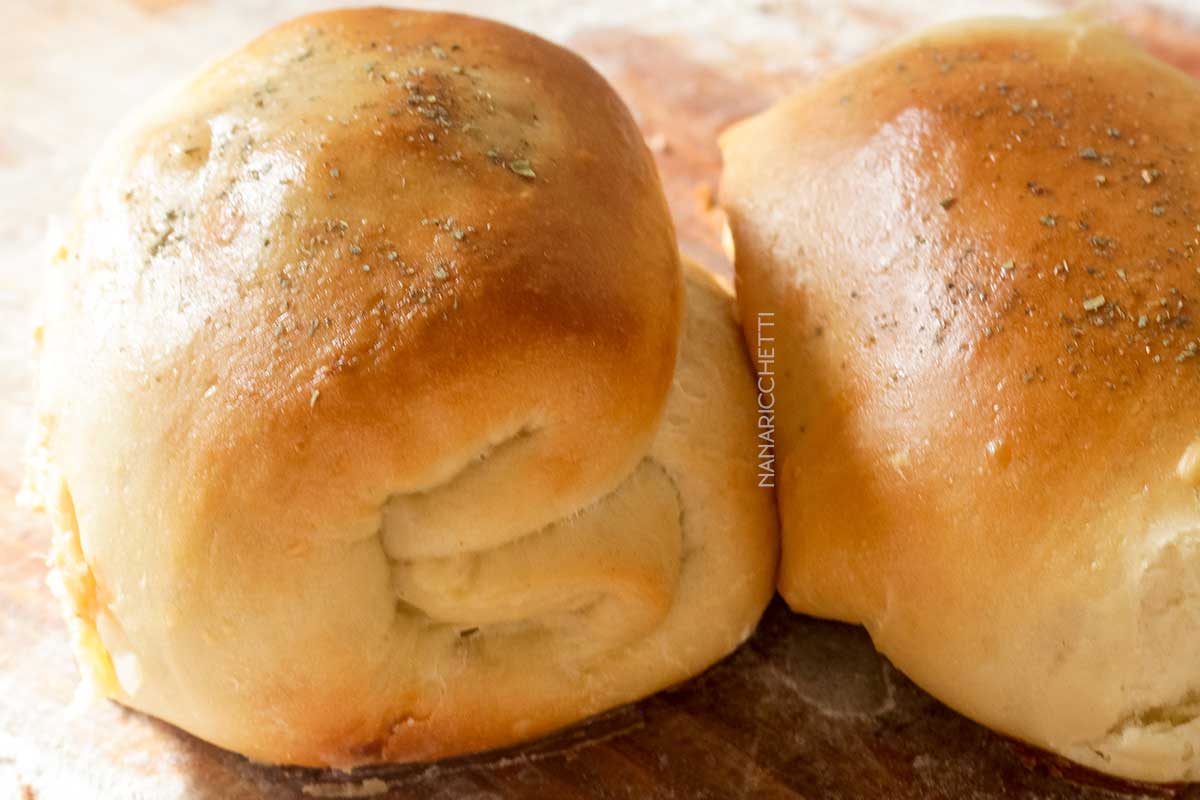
<point>362,426</point>
<point>981,247</point>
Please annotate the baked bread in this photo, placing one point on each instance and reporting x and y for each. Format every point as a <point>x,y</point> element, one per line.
<point>981,249</point>
<point>363,429</point>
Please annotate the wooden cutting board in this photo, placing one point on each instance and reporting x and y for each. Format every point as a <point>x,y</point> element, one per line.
<point>806,709</point>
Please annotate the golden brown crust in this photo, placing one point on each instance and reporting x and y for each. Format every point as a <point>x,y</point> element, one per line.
<point>982,248</point>
<point>321,213</point>
<point>355,364</point>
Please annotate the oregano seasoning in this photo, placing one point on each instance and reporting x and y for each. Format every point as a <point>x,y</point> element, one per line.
<point>522,167</point>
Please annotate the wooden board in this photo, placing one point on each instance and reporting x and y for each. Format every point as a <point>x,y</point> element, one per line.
<point>805,709</point>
